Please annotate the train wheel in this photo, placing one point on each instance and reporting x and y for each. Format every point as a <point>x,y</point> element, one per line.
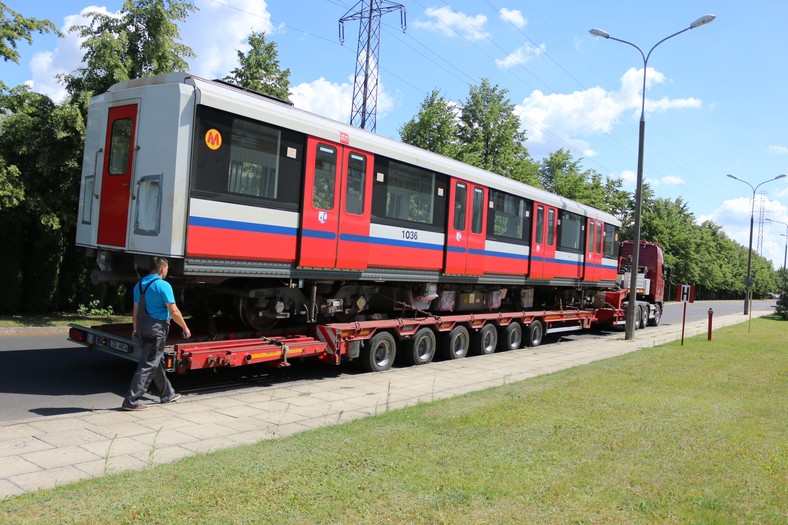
<point>511,337</point>
<point>252,316</point>
<point>485,340</point>
<point>421,349</point>
<point>379,352</point>
<point>535,333</point>
<point>455,344</point>
<point>657,316</point>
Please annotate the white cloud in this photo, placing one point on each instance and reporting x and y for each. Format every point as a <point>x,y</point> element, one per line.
<point>513,16</point>
<point>216,33</point>
<point>520,56</point>
<point>554,121</point>
<point>778,150</point>
<point>668,180</point>
<point>333,100</point>
<point>451,23</point>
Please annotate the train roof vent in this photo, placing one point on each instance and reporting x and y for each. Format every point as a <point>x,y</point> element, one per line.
<point>247,90</point>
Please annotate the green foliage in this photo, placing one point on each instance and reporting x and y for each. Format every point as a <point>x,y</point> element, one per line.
<point>12,191</point>
<point>94,308</point>
<point>782,302</point>
<point>15,27</point>
<point>142,40</point>
<point>434,127</point>
<point>259,69</point>
<point>489,133</point>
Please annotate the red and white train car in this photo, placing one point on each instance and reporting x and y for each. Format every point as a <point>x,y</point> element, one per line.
<point>297,216</point>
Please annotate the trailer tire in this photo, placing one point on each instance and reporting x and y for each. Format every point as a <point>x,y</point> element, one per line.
<point>485,340</point>
<point>535,333</point>
<point>455,344</point>
<point>654,321</point>
<point>421,348</point>
<point>378,353</point>
<point>511,337</point>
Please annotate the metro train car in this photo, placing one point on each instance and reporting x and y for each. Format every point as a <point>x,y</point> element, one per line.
<point>273,213</point>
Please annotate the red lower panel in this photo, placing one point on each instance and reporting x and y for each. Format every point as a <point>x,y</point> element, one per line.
<point>237,244</point>
<point>383,256</point>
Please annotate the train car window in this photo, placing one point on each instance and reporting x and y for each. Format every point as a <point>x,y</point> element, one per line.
<point>590,236</point>
<point>570,232</point>
<point>120,146</point>
<point>539,225</point>
<point>611,241</point>
<point>508,218</point>
<point>404,195</point>
<point>550,227</point>
<point>477,217</point>
<point>460,205</point>
<point>325,177</point>
<point>599,238</point>
<point>356,175</point>
<point>246,161</point>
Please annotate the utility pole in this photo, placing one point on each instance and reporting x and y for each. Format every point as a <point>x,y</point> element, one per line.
<point>365,83</point>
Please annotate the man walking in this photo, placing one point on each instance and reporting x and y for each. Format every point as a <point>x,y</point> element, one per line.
<point>154,305</point>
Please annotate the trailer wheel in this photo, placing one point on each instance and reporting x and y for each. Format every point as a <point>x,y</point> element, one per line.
<point>454,345</point>
<point>511,337</point>
<point>379,352</point>
<point>485,340</point>
<point>421,349</point>
<point>535,333</point>
<point>657,316</point>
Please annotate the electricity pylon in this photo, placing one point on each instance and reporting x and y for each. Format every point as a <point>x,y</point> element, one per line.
<point>365,83</point>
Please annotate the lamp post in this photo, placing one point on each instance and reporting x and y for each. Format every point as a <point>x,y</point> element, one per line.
<point>785,257</point>
<point>748,279</point>
<point>631,307</point>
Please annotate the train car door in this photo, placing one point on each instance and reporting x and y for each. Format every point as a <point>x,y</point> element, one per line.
<point>336,208</point>
<point>543,262</point>
<point>594,245</point>
<point>113,220</point>
<point>465,231</point>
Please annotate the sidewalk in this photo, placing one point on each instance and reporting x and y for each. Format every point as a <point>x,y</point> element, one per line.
<point>50,451</point>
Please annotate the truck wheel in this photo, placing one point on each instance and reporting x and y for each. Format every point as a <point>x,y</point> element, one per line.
<point>379,352</point>
<point>643,311</point>
<point>485,340</point>
<point>454,345</point>
<point>421,349</point>
<point>657,316</point>
<point>511,337</point>
<point>535,333</point>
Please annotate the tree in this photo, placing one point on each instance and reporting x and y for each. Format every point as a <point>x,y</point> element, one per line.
<point>15,27</point>
<point>671,224</point>
<point>259,69</point>
<point>143,39</point>
<point>490,136</point>
<point>43,142</point>
<point>562,175</point>
<point>434,127</point>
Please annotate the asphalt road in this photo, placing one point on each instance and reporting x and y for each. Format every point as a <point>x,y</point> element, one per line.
<point>47,375</point>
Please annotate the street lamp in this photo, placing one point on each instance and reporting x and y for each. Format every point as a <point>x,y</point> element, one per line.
<point>749,252</point>
<point>631,307</point>
<point>785,257</point>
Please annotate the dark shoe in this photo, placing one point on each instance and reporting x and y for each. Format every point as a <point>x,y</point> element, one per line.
<point>173,399</point>
<point>134,408</point>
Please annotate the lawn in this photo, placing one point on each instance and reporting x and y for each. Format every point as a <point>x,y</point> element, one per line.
<point>692,434</point>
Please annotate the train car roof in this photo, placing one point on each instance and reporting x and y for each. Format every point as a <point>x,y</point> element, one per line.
<point>224,96</point>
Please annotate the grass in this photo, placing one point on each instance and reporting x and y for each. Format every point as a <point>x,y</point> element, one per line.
<point>692,434</point>
<point>59,319</point>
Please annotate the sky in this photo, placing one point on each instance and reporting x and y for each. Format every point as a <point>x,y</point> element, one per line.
<point>715,95</point>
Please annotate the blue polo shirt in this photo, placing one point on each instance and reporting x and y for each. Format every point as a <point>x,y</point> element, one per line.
<point>157,296</point>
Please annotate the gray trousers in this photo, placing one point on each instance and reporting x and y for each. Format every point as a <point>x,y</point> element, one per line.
<point>151,368</point>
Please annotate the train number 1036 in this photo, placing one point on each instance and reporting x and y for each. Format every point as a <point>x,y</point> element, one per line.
<point>410,235</point>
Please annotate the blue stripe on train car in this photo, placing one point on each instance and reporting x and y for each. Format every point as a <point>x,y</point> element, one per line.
<point>224,224</point>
